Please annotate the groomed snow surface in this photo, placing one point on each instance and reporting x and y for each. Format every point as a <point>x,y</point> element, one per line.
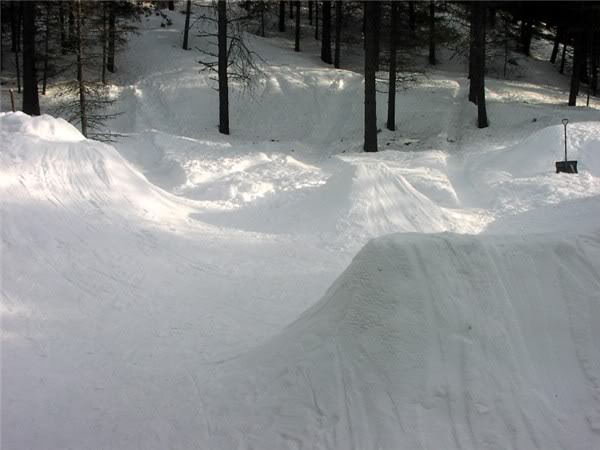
<point>163,293</point>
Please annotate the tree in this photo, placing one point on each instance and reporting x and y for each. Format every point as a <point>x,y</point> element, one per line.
<point>338,33</point>
<point>412,24</point>
<point>326,33</point>
<point>186,28</point>
<point>371,26</point>
<point>31,102</point>
<point>578,56</point>
<point>478,18</point>
<point>112,36</point>
<point>391,117</point>
<point>317,20</point>
<point>223,84</point>
<point>432,59</point>
<point>81,84</point>
<point>297,34</point>
<point>282,17</point>
<point>310,12</point>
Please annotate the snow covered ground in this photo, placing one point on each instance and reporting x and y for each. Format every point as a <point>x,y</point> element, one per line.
<point>164,292</point>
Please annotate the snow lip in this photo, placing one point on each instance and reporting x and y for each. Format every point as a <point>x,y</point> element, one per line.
<point>45,127</point>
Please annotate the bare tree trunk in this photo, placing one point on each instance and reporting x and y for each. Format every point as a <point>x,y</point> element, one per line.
<point>371,25</point>
<point>482,119</point>
<point>432,59</point>
<point>391,113</point>
<point>297,40</point>
<point>291,9</point>
<point>562,59</point>
<point>112,35</point>
<point>186,29</point>
<point>338,33</point>
<point>31,102</point>
<point>473,56</point>
<point>412,24</point>
<point>262,19</point>
<point>326,36</point>
<point>557,37</point>
<point>61,25</point>
<point>18,46</point>
<point>46,40</point>
<point>492,17</point>
<point>14,24</point>
<point>71,34</point>
<point>171,6</point>
<point>282,17</point>
<point>578,55</point>
<point>310,12</point>
<point>223,84</point>
<point>104,41</point>
<point>317,20</point>
<point>82,99</point>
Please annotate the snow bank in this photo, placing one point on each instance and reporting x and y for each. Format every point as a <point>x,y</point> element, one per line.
<point>433,341</point>
<point>44,127</point>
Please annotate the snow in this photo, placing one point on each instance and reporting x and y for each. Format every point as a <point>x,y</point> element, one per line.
<point>162,292</point>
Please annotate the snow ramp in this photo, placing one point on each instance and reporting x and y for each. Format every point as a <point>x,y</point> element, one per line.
<point>430,342</point>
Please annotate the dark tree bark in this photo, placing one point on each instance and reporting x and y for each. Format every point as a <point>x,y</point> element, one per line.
<point>31,102</point>
<point>557,38</point>
<point>80,80</point>
<point>480,7</point>
<point>492,15</point>
<point>46,42</point>
<point>371,26</point>
<point>317,20</point>
<point>61,25</point>
<point>262,19</point>
<point>112,36</point>
<point>595,61</point>
<point>104,40</point>
<point>297,40</point>
<point>338,33</point>
<point>291,9</point>
<point>282,17</point>
<point>412,24</point>
<point>326,34</point>
<point>578,56</point>
<point>171,5</point>
<point>378,37</point>
<point>472,57</point>
<point>186,28</point>
<point>391,113</point>
<point>310,12</point>
<point>18,46</point>
<point>223,85</point>
<point>432,59</point>
<point>71,35</point>
<point>14,24</point>
<point>563,59</point>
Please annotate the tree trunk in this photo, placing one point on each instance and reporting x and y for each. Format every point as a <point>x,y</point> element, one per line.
<point>578,55</point>
<point>371,26</point>
<point>492,17</point>
<point>80,80</point>
<point>186,28</point>
<point>31,102</point>
<point>18,46</point>
<point>310,12</point>
<point>338,33</point>
<point>282,17</point>
<point>112,36</point>
<point>61,25</point>
<point>291,9</point>
<point>46,41</point>
<point>562,59</point>
<point>432,59</point>
<point>326,35</point>
<point>473,55</point>
<point>482,120</point>
<point>377,37</point>
<point>171,5</point>
<point>297,43</point>
<point>412,24</point>
<point>71,35</point>
<point>557,38</point>
<point>14,24</point>
<point>391,115</point>
<point>262,19</point>
<point>104,40</point>
<point>223,85</point>
<point>317,20</point>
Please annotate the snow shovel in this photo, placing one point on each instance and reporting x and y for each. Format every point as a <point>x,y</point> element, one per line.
<point>566,166</point>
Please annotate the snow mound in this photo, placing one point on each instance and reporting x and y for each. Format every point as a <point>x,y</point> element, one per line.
<point>434,341</point>
<point>44,127</point>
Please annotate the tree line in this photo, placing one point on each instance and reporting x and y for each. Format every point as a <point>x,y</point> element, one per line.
<point>81,38</point>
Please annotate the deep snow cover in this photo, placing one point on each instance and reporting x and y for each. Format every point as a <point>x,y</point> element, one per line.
<point>164,292</point>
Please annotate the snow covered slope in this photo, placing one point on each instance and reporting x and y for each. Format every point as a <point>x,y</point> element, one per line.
<point>429,342</point>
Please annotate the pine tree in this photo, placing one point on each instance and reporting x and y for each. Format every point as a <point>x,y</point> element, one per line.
<point>371,26</point>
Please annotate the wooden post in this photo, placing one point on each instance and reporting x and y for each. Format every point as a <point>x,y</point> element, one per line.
<point>12,100</point>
